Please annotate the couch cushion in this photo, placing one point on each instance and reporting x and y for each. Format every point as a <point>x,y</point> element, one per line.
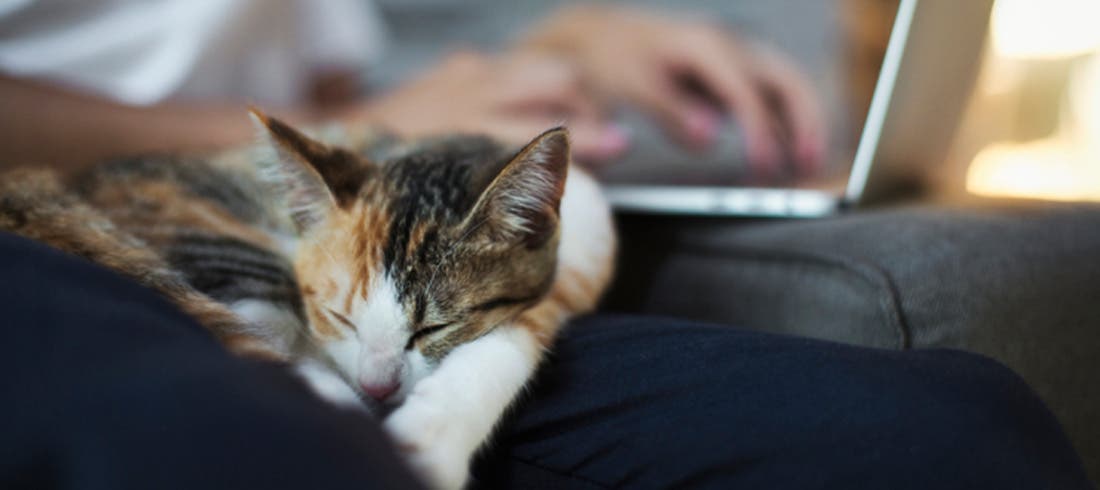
<point>1018,283</point>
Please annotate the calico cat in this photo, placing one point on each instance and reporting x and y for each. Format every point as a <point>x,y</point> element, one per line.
<point>423,279</point>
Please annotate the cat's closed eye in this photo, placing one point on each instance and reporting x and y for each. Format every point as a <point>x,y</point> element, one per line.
<point>341,318</point>
<point>424,332</point>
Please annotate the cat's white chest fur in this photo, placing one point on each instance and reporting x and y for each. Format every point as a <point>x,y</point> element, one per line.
<point>449,414</point>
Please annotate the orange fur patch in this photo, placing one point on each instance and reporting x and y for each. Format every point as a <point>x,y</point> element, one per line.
<point>369,236</point>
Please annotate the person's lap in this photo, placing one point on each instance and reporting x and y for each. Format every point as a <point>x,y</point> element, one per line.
<point>641,402</point>
<point>105,386</point>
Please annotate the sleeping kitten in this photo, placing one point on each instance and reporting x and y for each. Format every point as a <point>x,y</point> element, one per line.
<point>426,278</point>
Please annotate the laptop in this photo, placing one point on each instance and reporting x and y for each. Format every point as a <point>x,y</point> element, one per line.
<point>929,67</point>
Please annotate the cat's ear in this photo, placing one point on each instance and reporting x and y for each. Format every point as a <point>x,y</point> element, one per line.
<point>521,205</point>
<point>292,170</point>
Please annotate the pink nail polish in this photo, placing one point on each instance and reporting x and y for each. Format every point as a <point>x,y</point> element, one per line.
<point>764,156</point>
<point>702,126</point>
<point>614,140</point>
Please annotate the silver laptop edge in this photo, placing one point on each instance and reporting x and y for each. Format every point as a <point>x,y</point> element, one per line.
<point>724,201</point>
<point>880,102</point>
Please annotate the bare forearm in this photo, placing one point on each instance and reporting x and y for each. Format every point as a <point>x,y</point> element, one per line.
<point>44,125</point>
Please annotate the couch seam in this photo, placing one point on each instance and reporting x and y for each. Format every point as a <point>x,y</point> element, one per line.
<point>870,273</point>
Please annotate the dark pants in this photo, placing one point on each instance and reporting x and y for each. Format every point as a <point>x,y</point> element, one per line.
<point>103,385</point>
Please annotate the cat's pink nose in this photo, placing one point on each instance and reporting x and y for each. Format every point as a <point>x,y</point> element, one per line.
<point>382,391</point>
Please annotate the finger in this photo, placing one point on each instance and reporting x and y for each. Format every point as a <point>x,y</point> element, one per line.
<point>590,141</point>
<point>548,83</point>
<point>800,105</point>
<point>724,72</point>
<point>543,92</point>
<point>686,118</point>
<point>564,105</point>
<point>598,142</point>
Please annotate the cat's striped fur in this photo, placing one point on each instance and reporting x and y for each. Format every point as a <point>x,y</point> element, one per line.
<point>429,276</point>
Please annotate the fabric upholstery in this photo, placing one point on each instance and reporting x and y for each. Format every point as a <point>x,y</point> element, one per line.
<point>1018,283</point>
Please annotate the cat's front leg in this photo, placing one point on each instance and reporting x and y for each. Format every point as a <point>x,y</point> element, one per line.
<point>451,413</point>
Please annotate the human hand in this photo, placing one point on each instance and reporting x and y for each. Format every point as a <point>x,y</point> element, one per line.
<point>513,97</point>
<point>686,73</point>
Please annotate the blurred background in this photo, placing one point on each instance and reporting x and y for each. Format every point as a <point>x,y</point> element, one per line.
<point>1031,128</point>
<point>811,32</point>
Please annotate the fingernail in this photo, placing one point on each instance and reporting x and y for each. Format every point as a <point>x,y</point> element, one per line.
<point>812,152</point>
<point>764,155</point>
<point>807,153</point>
<point>614,140</point>
<point>701,126</point>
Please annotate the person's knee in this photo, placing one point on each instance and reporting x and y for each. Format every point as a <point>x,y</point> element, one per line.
<point>968,417</point>
<point>973,390</point>
<point>960,392</point>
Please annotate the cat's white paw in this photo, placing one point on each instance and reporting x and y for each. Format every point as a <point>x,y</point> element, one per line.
<point>431,442</point>
<point>451,413</point>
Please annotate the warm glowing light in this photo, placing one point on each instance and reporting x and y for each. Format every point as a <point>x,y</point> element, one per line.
<point>1066,165</point>
<point>1052,169</point>
<point>1085,106</point>
<point>1045,28</point>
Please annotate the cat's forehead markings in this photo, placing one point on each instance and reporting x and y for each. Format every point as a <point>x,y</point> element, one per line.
<point>416,238</point>
<point>369,233</point>
<point>361,272</point>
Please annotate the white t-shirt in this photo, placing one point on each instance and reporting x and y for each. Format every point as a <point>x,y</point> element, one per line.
<point>142,52</point>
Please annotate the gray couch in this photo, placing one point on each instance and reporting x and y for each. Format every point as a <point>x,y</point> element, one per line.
<point>1020,284</point>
